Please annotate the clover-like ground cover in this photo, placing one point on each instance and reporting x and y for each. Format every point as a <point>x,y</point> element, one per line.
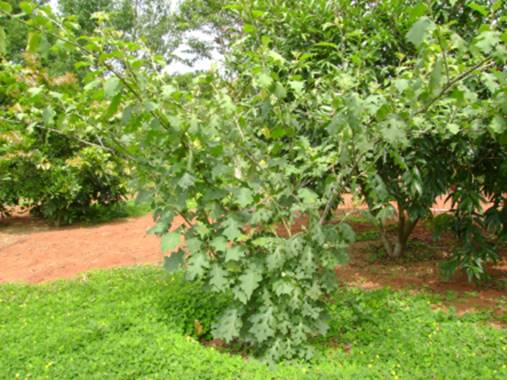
<point>140,323</point>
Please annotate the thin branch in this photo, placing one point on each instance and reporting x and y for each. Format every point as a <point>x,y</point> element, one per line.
<point>444,55</point>
<point>329,204</point>
<point>455,81</point>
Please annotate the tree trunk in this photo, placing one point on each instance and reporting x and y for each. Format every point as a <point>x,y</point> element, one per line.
<point>405,228</point>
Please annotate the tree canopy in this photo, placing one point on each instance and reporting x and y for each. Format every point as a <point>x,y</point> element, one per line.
<point>395,102</point>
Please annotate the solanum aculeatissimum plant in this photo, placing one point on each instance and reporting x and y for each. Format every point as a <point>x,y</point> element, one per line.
<point>238,162</point>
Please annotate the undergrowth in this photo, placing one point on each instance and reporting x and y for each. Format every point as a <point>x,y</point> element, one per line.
<point>144,324</point>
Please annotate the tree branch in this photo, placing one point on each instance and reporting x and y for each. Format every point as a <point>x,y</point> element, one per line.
<point>453,82</point>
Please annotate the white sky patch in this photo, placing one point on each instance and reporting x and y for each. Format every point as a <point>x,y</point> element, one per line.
<point>199,65</point>
<point>178,67</point>
<point>54,4</point>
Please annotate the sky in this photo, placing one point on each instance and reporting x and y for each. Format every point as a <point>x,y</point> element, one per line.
<point>53,3</point>
<point>179,67</point>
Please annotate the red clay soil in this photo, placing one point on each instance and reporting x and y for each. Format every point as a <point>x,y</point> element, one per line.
<point>30,251</point>
<point>33,252</point>
<point>423,273</point>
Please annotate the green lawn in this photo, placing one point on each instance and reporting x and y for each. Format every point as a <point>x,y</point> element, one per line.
<point>131,324</point>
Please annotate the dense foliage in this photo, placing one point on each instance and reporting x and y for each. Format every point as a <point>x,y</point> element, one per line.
<point>325,102</point>
<point>130,324</point>
<point>51,173</point>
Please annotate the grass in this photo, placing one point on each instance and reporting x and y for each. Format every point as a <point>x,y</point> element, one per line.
<point>134,324</point>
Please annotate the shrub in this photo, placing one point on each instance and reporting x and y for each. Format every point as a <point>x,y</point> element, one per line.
<point>57,176</point>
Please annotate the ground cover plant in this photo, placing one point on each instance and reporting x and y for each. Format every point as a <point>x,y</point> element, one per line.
<point>140,323</point>
<point>306,110</point>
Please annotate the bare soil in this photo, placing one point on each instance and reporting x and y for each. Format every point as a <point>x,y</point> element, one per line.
<point>421,271</point>
<point>31,251</point>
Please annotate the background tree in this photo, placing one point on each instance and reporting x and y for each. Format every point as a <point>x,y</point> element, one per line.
<point>151,20</point>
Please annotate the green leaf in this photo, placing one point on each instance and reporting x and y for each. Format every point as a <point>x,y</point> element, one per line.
<point>174,261</point>
<point>249,28</point>
<point>264,80</point>
<point>280,91</point>
<point>34,42</point>
<point>401,85</point>
<point>486,41</point>
<point>197,263</point>
<point>194,245</point>
<point>228,326</point>
<point>170,241</point>
<point>232,230</point>
<point>234,254</point>
<point>6,7</point>
<point>249,281</point>
<point>263,325</point>
<point>186,181</point>
<point>48,115</point>
<point>436,76</point>
<point>393,131</point>
<point>152,106</point>
<point>453,128</point>
<point>113,107</point>
<point>498,125</point>
<point>282,287</point>
<point>347,232</point>
<point>308,196</point>
<point>327,44</point>
<point>478,8</point>
<point>219,244</point>
<point>111,87</point>
<point>297,86</point>
<point>26,7</point>
<point>420,30</point>
<point>275,260</point>
<point>244,197</point>
<point>218,278</point>
<point>261,215</point>
<point>3,42</point>
<point>276,57</point>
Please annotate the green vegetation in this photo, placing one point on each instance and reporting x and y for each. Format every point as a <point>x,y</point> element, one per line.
<point>102,214</point>
<point>314,102</point>
<point>131,323</point>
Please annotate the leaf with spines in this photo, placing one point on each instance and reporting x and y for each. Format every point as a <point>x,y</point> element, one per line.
<point>234,254</point>
<point>263,325</point>
<point>228,326</point>
<point>197,264</point>
<point>232,230</point>
<point>244,197</point>
<point>249,281</point>
<point>218,278</point>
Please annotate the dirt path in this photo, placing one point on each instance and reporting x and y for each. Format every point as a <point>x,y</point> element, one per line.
<point>30,251</point>
<point>33,252</point>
